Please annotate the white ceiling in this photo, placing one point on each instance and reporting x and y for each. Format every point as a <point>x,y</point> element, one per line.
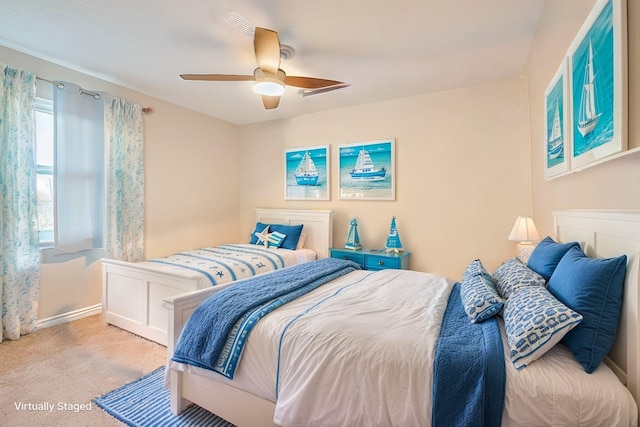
<point>384,49</point>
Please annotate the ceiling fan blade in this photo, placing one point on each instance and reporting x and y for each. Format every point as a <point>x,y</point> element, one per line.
<point>238,23</point>
<point>270,102</point>
<point>311,92</point>
<point>309,82</point>
<point>217,77</point>
<point>267,47</point>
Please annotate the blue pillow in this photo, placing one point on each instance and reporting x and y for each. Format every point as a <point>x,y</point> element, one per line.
<point>535,321</point>
<point>292,233</point>
<point>593,288</point>
<point>547,255</point>
<point>478,293</point>
<point>512,275</point>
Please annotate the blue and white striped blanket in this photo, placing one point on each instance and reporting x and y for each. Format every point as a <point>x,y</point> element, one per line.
<point>227,263</point>
<point>214,336</point>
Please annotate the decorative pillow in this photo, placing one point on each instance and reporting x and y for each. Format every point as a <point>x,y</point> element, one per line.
<point>512,275</point>
<point>270,240</point>
<point>592,287</point>
<point>547,255</point>
<point>291,231</point>
<point>474,269</point>
<point>534,322</point>
<point>478,294</point>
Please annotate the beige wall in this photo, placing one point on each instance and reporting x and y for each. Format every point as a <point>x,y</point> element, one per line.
<point>462,171</point>
<point>191,190</point>
<point>612,185</point>
<point>468,162</point>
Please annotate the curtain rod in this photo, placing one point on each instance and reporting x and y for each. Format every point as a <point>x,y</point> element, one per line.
<point>85,92</point>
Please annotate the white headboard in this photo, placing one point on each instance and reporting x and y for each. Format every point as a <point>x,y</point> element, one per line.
<point>606,234</point>
<point>318,224</point>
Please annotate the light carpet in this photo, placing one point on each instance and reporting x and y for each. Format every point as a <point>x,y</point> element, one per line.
<point>145,403</point>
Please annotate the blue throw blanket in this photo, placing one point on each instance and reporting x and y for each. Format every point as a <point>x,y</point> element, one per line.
<point>469,375</point>
<point>204,337</point>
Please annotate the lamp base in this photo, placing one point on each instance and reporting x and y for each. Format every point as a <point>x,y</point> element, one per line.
<point>524,251</point>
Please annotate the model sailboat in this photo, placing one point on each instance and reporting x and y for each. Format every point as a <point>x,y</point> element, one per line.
<point>555,144</point>
<point>306,172</point>
<point>393,240</point>
<point>353,240</point>
<point>587,114</point>
<point>365,170</point>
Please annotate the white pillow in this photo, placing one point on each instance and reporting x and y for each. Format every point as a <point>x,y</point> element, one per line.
<point>303,238</point>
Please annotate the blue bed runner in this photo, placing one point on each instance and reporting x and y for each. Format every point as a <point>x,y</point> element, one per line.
<point>469,374</point>
<point>236,309</point>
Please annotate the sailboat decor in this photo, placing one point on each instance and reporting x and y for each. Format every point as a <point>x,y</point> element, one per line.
<point>365,170</point>
<point>588,113</point>
<point>306,172</point>
<point>393,240</point>
<point>556,142</point>
<point>598,87</point>
<point>353,240</point>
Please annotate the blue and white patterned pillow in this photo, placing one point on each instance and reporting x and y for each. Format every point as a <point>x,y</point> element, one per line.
<point>474,269</point>
<point>512,275</point>
<point>535,321</point>
<point>478,293</point>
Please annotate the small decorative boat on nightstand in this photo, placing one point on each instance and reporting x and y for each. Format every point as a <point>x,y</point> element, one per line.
<point>353,240</point>
<point>393,240</point>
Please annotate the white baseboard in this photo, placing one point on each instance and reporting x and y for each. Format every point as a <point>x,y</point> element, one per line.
<point>68,317</point>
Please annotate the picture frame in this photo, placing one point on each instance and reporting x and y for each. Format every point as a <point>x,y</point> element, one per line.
<point>307,173</point>
<point>367,170</point>
<point>597,61</point>
<point>557,142</point>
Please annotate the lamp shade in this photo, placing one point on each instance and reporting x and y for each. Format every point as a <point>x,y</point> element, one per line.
<point>524,230</point>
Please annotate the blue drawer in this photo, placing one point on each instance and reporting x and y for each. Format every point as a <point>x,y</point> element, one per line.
<point>381,262</point>
<point>357,257</point>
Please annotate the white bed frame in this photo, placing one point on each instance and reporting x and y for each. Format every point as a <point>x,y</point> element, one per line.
<point>132,294</point>
<point>602,234</point>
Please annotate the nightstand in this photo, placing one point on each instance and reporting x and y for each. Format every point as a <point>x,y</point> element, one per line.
<point>375,259</point>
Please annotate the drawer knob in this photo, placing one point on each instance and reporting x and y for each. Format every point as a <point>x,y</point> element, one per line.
<point>380,262</point>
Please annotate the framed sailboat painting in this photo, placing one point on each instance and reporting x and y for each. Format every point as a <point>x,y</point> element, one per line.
<point>557,139</point>
<point>598,90</point>
<point>367,170</point>
<point>307,173</point>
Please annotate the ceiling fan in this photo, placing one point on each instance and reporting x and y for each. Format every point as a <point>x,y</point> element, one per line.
<point>270,79</point>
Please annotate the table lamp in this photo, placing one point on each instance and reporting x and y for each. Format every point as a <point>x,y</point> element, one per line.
<point>524,232</point>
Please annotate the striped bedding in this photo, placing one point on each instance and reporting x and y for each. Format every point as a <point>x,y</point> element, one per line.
<point>226,263</point>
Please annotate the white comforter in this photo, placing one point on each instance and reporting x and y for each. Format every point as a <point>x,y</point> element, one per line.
<point>378,370</point>
<point>383,362</point>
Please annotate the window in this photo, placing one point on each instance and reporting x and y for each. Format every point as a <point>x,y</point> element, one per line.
<point>44,161</point>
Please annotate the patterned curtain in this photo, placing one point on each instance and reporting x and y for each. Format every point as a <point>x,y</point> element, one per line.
<point>125,180</point>
<point>19,245</point>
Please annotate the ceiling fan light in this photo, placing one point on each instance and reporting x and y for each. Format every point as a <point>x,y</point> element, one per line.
<point>269,87</point>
